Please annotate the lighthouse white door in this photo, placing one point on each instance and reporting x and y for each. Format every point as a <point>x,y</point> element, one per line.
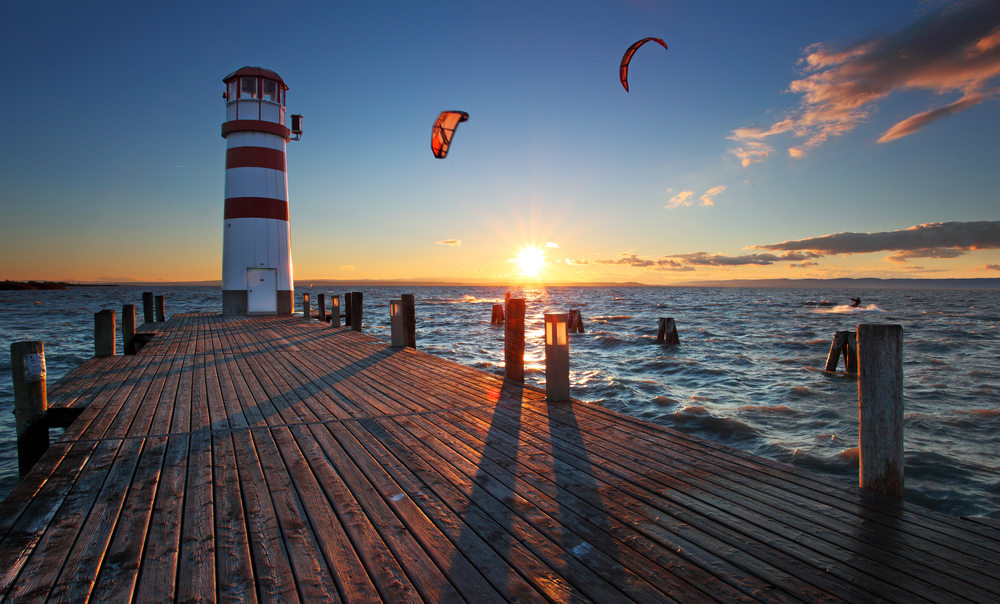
<point>262,290</point>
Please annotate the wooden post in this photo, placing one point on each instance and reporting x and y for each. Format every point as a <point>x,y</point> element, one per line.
<point>556,357</point>
<point>497,318</point>
<point>348,301</point>
<point>666,331</point>
<point>147,307</point>
<point>306,311</point>
<point>104,333</point>
<point>513,340</point>
<point>321,302</point>
<point>409,311</point>
<point>27,369</point>
<point>161,310</point>
<point>335,310</point>
<point>128,328</point>
<point>357,312</point>
<point>844,343</point>
<point>880,408</point>
<point>575,322</point>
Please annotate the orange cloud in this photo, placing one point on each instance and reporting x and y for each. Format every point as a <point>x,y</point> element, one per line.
<point>954,50</point>
<point>454,242</point>
<point>706,199</point>
<point>681,199</point>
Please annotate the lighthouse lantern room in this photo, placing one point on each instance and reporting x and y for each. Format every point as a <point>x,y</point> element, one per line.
<point>256,241</point>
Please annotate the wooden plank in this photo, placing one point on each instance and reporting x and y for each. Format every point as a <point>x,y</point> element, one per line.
<point>196,558</point>
<point>234,575</point>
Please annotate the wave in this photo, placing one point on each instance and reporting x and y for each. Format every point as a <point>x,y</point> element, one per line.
<point>850,310</point>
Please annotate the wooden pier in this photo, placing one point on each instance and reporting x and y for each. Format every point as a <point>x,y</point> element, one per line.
<point>281,459</point>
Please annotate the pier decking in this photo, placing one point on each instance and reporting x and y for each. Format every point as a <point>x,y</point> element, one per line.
<point>279,459</point>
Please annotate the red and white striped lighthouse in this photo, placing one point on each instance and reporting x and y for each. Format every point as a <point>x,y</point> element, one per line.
<point>256,241</point>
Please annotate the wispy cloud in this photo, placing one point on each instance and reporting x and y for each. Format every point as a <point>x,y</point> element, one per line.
<point>934,240</point>
<point>681,199</point>
<point>952,50</point>
<point>706,199</point>
<point>577,262</point>
<point>992,267</point>
<point>455,242</point>
<point>552,244</point>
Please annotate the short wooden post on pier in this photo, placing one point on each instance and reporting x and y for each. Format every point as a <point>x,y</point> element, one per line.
<point>844,343</point>
<point>666,331</point>
<point>497,318</point>
<point>335,310</point>
<point>409,311</point>
<point>27,368</point>
<point>161,309</point>
<point>357,310</point>
<point>396,323</point>
<point>513,340</point>
<point>321,303</point>
<point>556,357</point>
<point>880,408</point>
<point>575,324</point>
<point>104,333</point>
<point>348,301</point>
<point>128,328</point>
<point>147,307</point>
<point>306,311</point>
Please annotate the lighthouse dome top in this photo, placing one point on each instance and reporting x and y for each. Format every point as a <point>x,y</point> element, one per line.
<point>255,72</point>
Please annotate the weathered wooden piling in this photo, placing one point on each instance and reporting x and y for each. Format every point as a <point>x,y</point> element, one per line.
<point>409,310</point>
<point>161,309</point>
<point>497,318</point>
<point>666,331</point>
<point>844,343</point>
<point>321,303</point>
<point>357,310</point>
<point>128,328</point>
<point>880,408</point>
<point>306,311</point>
<point>396,323</point>
<point>348,301</point>
<point>335,310</point>
<point>557,357</point>
<point>575,324</point>
<point>513,340</point>
<point>104,333</point>
<point>27,368</point>
<point>147,307</point>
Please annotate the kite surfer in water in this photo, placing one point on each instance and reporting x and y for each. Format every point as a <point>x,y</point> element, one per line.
<point>857,302</point>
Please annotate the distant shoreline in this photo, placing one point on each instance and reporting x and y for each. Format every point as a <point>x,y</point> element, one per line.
<point>843,283</point>
<point>37,285</point>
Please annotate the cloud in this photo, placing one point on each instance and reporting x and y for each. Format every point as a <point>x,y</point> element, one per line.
<point>577,262</point>
<point>455,242</point>
<point>687,262</point>
<point>992,267</point>
<point>681,199</point>
<point>752,151</point>
<point>805,264</point>
<point>552,244</point>
<point>933,240</point>
<point>952,50</point>
<point>795,153</point>
<point>706,199</point>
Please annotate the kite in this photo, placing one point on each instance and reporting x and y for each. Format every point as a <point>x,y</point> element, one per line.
<point>444,129</point>
<point>623,70</point>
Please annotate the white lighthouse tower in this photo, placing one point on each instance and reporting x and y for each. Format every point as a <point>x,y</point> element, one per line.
<point>256,241</point>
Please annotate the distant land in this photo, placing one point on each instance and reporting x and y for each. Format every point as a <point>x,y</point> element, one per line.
<point>35,285</point>
<point>844,283</point>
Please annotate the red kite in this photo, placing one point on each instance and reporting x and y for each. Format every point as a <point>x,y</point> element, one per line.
<point>623,70</point>
<point>444,129</point>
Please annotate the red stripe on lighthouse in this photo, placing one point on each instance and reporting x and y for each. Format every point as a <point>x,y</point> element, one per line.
<point>255,157</point>
<point>256,207</point>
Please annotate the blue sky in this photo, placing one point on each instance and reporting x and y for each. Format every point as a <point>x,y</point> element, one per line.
<point>113,163</point>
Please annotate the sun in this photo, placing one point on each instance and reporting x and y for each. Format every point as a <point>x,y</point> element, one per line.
<point>531,261</point>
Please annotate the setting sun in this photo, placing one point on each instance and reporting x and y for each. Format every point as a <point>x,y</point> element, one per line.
<point>531,261</point>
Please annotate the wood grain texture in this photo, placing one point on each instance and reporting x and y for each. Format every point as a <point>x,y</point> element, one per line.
<point>275,459</point>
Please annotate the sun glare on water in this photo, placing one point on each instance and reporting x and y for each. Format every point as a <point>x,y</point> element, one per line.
<point>531,260</point>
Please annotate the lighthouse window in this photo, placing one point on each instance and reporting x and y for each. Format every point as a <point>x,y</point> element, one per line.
<point>269,91</point>
<point>248,88</point>
<point>231,89</point>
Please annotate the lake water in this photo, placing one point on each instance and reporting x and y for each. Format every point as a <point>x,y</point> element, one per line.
<point>748,371</point>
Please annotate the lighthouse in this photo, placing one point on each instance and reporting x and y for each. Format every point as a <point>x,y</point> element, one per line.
<point>256,240</point>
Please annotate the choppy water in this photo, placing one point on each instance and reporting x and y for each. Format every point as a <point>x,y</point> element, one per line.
<point>748,371</point>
